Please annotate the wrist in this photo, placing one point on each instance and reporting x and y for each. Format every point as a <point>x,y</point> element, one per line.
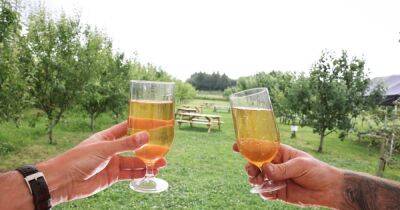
<point>339,184</point>
<point>55,180</point>
<point>334,196</point>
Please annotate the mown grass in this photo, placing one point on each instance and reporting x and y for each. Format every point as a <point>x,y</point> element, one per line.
<point>210,95</point>
<point>203,172</point>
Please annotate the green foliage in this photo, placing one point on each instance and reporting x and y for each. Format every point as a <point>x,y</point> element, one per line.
<point>184,91</point>
<point>214,81</point>
<point>229,91</point>
<point>118,92</point>
<point>55,76</point>
<point>278,84</point>
<point>147,72</point>
<point>338,87</point>
<point>13,98</point>
<point>103,90</point>
<point>298,98</point>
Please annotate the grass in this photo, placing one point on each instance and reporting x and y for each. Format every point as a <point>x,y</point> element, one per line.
<point>210,95</point>
<point>203,172</point>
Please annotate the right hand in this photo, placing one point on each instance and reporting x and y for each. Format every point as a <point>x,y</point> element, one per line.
<point>308,180</point>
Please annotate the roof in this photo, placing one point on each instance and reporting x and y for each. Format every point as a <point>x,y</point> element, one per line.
<point>392,83</point>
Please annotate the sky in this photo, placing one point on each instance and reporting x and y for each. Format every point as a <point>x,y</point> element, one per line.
<point>241,38</point>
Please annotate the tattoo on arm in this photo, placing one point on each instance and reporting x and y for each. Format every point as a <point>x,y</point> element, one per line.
<point>363,191</point>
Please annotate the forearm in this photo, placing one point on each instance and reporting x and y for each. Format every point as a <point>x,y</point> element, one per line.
<point>362,191</point>
<point>56,179</point>
<point>14,192</point>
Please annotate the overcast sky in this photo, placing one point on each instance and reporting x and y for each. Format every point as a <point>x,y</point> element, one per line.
<point>241,38</point>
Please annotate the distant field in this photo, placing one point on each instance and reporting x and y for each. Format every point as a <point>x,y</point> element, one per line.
<point>210,95</point>
<point>203,172</point>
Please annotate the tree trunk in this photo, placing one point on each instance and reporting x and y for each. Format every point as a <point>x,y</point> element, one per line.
<point>382,158</point>
<point>50,135</point>
<point>391,148</point>
<point>52,123</point>
<point>321,141</point>
<point>92,122</point>
<point>50,130</point>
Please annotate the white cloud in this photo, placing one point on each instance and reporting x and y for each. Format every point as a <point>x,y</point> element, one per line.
<point>244,37</point>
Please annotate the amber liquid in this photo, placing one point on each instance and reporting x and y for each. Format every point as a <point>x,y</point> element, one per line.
<point>256,133</point>
<point>157,118</point>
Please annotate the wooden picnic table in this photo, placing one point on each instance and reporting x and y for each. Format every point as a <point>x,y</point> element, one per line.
<point>203,119</point>
<point>185,110</point>
<point>198,108</point>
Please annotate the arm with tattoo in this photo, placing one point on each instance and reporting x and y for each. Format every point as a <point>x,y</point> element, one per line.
<point>314,183</point>
<point>362,191</point>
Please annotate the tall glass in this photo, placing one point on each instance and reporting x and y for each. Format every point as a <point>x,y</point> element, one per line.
<point>151,109</point>
<point>257,135</point>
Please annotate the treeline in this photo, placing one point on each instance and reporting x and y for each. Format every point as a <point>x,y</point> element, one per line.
<point>214,81</point>
<point>56,64</point>
<point>328,99</point>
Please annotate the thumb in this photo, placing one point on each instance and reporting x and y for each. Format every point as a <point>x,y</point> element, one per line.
<point>288,170</point>
<point>126,143</point>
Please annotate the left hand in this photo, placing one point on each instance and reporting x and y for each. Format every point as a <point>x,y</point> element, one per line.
<point>94,164</point>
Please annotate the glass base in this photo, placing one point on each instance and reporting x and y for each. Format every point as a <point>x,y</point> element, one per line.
<point>269,186</point>
<point>149,185</point>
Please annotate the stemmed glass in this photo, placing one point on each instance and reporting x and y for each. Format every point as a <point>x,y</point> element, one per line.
<point>151,109</point>
<point>257,135</point>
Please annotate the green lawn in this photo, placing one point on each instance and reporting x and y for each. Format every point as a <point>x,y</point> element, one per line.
<point>210,95</point>
<point>203,172</point>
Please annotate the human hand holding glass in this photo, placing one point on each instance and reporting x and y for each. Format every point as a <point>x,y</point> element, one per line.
<point>151,109</point>
<point>257,135</point>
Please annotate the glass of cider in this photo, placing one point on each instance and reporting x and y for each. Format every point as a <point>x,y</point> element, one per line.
<point>257,135</point>
<point>151,109</point>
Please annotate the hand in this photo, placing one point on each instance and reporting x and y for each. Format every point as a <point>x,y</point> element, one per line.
<point>94,165</point>
<point>308,180</point>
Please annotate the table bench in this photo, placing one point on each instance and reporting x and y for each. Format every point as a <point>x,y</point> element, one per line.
<point>200,119</point>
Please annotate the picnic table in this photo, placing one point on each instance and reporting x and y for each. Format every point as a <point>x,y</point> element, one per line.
<point>198,108</point>
<point>185,110</point>
<point>208,105</point>
<point>202,119</point>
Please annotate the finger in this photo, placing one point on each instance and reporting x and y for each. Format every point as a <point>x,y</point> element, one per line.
<point>131,174</point>
<point>161,163</point>
<point>258,180</point>
<point>291,169</point>
<point>127,143</point>
<point>269,196</point>
<point>115,131</point>
<point>131,163</point>
<point>252,170</point>
<point>235,147</point>
<point>281,194</point>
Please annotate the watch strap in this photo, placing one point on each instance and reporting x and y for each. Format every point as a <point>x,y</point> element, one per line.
<point>37,185</point>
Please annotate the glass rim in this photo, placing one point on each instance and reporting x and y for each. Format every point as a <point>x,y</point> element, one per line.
<point>259,90</point>
<point>152,82</point>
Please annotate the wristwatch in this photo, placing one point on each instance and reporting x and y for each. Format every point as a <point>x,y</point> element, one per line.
<point>37,186</point>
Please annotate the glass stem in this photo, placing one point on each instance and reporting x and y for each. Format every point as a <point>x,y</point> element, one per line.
<point>149,172</point>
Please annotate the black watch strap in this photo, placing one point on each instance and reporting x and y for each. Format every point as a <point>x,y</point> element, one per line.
<point>37,185</point>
